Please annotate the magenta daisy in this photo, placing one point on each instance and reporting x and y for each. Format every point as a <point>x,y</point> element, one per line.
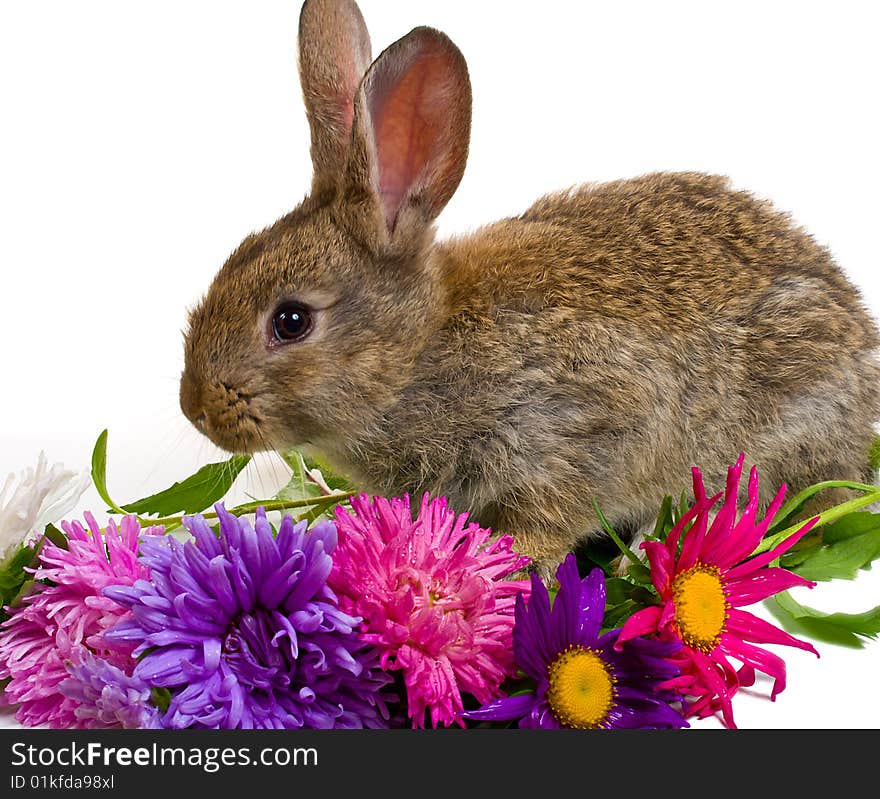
<point>42,637</point>
<point>435,600</point>
<point>704,583</point>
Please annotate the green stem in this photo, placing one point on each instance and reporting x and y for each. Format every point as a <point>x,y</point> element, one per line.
<point>826,517</point>
<point>115,508</point>
<point>250,507</point>
<point>799,499</point>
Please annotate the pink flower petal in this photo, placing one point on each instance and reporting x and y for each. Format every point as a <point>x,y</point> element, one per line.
<point>716,685</point>
<point>772,510</point>
<point>642,623</point>
<point>756,658</point>
<point>692,544</point>
<point>750,628</point>
<point>699,488</point>
<point>661,565</point>
<point>701,505</point>
<point>723,546</point>
<point>668,615</point>
<point>762,584</point>
<point>749,540</point>
<point>436,598</point>
<point>722,527</point>
<point>766,557</point>
<point>746,676</point>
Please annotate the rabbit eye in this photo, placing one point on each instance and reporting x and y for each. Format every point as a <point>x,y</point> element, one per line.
<point>292,321</point>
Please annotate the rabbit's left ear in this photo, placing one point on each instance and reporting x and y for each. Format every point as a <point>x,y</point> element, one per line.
<point>334,55</point>
<point>412,124</point>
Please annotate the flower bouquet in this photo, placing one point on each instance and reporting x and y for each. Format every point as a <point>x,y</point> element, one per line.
<point>324,608</point>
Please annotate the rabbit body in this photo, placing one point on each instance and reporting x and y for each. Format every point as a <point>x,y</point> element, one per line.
<point>598,346</point>
<point>614,336</point>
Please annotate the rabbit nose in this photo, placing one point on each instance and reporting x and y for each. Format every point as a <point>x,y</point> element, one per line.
<point>191,401</point>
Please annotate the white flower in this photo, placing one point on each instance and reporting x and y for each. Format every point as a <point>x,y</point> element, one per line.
<point>43,496</point>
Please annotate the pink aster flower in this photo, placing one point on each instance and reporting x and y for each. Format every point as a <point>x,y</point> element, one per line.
<point>704,583</point>
<point>434,599</point>
<point>48,632</point>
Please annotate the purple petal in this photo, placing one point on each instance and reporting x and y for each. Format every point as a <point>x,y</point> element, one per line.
<point>531,649</point>
<point>207,541</point>
<point>164,667</point>
<point>508,708</point>
<point>592,607</point>
<point>565,616</point>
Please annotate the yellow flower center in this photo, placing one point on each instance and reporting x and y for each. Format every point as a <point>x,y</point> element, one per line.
<point>581,689</point>
<point>700,606</point>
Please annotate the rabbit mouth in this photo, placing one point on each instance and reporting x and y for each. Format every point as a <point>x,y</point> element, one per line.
<point>226,416</point>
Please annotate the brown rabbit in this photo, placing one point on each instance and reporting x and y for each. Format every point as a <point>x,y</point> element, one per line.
<point>599,345</point>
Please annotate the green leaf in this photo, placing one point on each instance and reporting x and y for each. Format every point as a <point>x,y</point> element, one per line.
<point>284,506</point>
<point>839,551</point>
<point>55,536</point>
<point>15,582</point>
<point>161,698</point>
<point>333,480</point>
<point>677,512</point>
<point>841,560</point>
<point>198,492</point>
<point>665,522</point>
<point>311,480</point>
<point>99,471</point>
<point>802,550</point>
<point>856,524</point>
<point>640,574</point>
<point>300,486</point>
<point>13,575</point>
<point>617,590</point>
<point>843,629</point>
<point>24,591</point>
<point>616,615</point>
<point>682,509</point>
<point>327,512</point>
<point>874,454</point>
<point>612,534</point>
<point>597,552</point>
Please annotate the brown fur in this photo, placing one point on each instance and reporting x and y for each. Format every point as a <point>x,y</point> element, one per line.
<point>597,346</point>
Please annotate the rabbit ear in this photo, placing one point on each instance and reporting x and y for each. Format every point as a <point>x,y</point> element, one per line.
<point>334,55</point>
<point>412,126</point>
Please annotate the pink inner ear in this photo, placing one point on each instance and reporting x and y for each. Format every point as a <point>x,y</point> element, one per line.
<point>410,112</point>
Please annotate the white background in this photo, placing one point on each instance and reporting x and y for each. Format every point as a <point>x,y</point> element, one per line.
<point>140,141</point>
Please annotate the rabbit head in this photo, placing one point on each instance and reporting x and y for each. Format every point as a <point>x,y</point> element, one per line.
<point>311,326</point>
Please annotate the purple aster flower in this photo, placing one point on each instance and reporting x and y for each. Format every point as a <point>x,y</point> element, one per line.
<point>106,697</point>
<point>580,680</point>
<point>242,629</point>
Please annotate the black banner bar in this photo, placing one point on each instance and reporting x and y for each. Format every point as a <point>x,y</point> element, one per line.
<point>460,763</point>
